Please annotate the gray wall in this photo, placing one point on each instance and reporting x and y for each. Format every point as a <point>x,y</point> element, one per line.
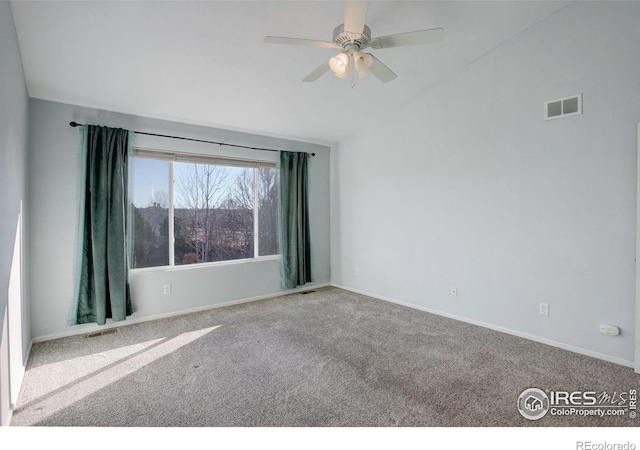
<point>14,311</point>
<point>468,186</point>
<point>54,147</point>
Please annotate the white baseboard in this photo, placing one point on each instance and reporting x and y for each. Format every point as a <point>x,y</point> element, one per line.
<point>91,328</point>
<point>531,337</point>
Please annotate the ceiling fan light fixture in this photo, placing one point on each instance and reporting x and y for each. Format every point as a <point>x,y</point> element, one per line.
<point>351,38</point>
<point>339,65</point>
<point>363,62</point>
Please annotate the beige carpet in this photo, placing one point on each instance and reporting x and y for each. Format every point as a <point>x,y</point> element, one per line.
<point>329,358</point>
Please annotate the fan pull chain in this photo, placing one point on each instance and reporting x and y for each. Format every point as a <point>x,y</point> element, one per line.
<point>352,62</point>
<point>353,72</point>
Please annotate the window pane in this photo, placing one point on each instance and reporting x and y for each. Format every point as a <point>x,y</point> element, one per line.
<point>213,213</point>
<point>149,194</point>
<point>268,211</point>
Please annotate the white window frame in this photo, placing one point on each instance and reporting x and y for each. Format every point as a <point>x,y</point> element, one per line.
<point>172,157</point>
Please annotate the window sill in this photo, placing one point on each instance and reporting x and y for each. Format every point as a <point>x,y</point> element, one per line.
<point>204,265</point>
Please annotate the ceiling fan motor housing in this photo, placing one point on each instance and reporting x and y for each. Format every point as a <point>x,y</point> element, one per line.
<point>346,39</point>
<point>353,36</point>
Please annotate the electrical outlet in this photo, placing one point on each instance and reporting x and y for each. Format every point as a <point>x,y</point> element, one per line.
<point>454,291</point>
<point>167,289</point>
<point>357,271</point>
<point>544,309</point>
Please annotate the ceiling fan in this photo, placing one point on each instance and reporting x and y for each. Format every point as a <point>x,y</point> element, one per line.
<point>351,38</point>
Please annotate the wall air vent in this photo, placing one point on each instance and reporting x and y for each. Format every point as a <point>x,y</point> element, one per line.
<point>563,107</point>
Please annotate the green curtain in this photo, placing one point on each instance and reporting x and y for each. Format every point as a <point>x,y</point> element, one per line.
<point>103,290</point>
<point>294,239</point>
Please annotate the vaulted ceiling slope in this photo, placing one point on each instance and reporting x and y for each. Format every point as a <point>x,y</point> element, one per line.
<point>206,63</point>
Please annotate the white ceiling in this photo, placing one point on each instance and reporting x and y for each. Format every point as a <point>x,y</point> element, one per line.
<point>205,62</point>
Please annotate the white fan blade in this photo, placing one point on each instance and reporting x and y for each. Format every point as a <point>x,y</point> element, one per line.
<point>381,71</point>
<point>432,36</point>
<point>355,13</point>
<point>296,41</point>
<point>320,70</point>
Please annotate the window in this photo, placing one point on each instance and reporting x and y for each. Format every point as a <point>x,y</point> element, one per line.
<point>210,209</point>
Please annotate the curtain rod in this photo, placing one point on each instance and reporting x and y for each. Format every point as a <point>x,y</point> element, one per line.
<point>75,124</point>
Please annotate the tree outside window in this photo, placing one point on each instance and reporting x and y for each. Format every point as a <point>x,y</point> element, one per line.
<point>213,210</point>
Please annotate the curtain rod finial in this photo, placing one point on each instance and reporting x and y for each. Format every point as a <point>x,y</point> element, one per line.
<point>74,124</point>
